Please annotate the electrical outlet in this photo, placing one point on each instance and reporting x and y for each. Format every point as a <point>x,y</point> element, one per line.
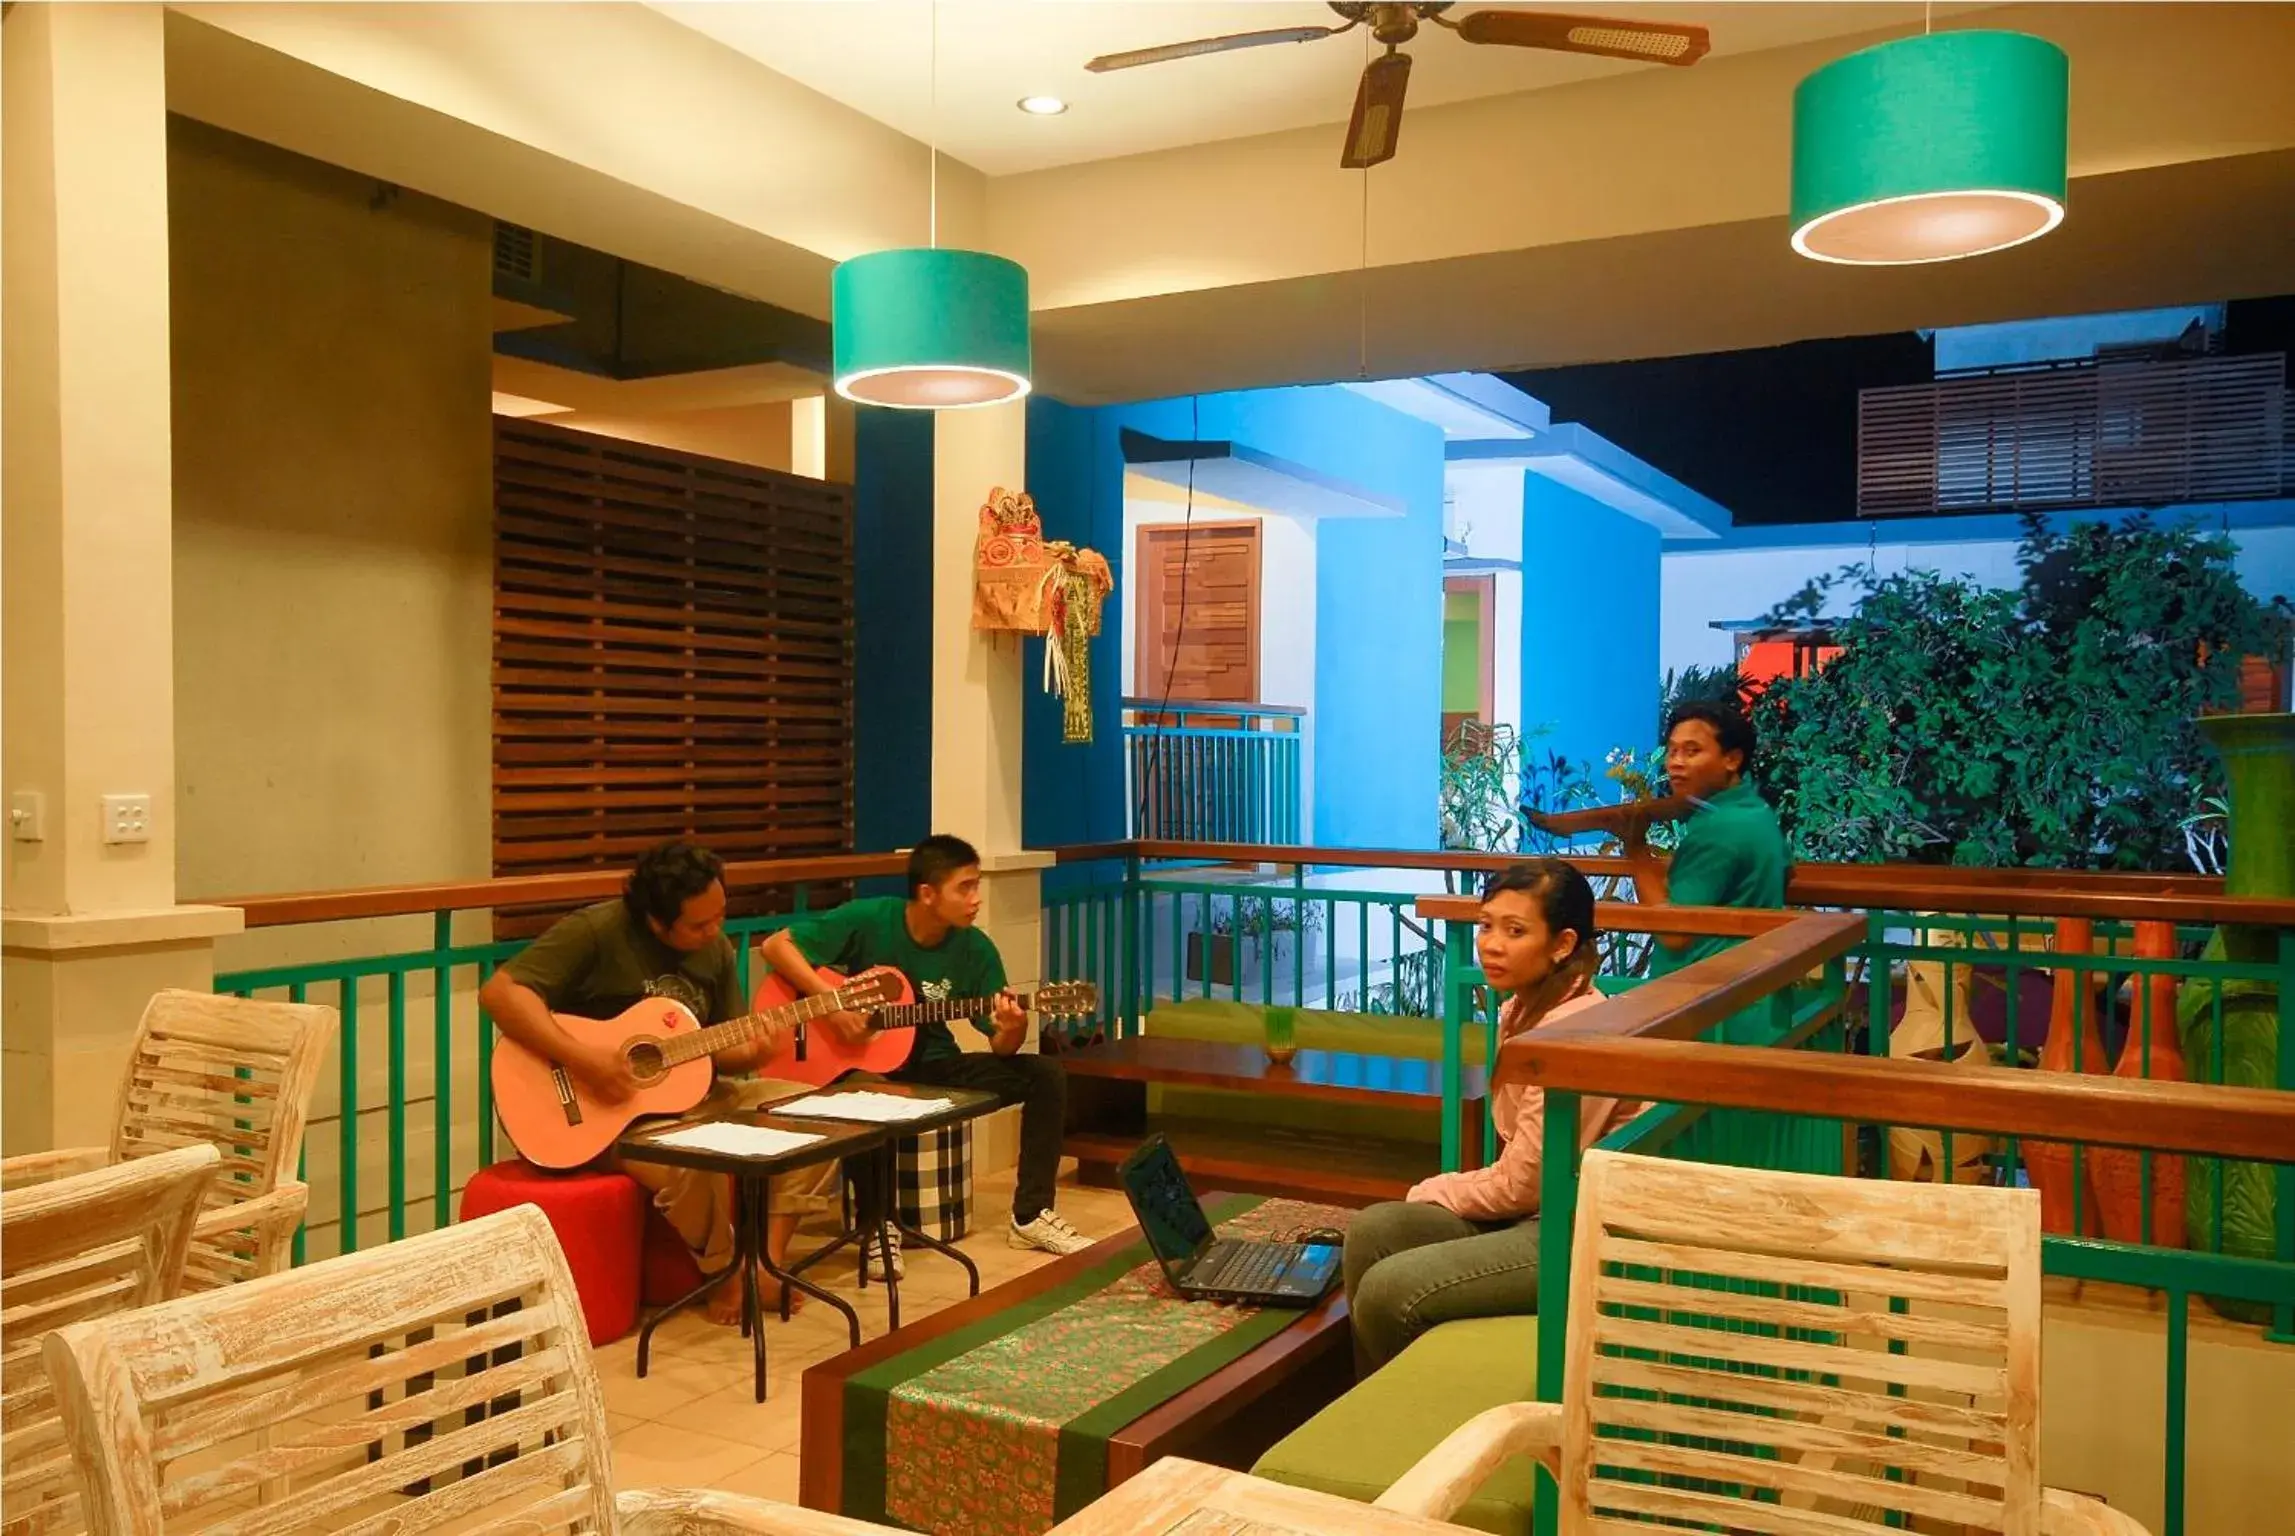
<point>28,816</point>
<point>127,818</point>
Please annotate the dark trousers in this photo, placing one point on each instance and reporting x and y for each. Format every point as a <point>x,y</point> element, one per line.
<point>1037,1085</point>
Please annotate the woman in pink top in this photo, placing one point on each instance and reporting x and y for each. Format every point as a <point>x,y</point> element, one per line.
<point>1466,1244</point>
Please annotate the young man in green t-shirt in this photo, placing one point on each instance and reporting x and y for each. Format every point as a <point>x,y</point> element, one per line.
<point>664,937</point>
<point>1731,853</point>
<point>929,937</point>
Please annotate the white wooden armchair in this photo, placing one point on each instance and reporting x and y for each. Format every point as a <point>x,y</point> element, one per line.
<point>1729,1363</point>
<point>231,1073</point>
<point>73,1249</point>
<point>443,1382</point>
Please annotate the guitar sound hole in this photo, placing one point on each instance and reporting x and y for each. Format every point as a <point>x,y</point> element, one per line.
<point>645,1061</point>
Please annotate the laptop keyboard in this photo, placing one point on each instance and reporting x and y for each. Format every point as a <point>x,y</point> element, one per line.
<point>1243,1267</point>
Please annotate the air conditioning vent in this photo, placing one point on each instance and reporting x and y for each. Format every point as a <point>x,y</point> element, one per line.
<point>515,256</point>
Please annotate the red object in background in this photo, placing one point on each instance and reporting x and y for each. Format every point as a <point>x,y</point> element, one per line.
<point>2055,1166</point>
<point>1764,661</point>
<point>2119,1171</point>
<point>599,1218</point>
<point>670,1271</point>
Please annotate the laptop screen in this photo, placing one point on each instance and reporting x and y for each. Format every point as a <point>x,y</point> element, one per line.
<point>1165,1203</point>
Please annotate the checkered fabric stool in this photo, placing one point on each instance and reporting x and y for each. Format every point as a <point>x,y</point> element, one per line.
<point>933,1181</point>
<point>600,1222</point>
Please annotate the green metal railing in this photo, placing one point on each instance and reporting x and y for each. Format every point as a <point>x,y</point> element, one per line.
<point>1149,939</point>
<point>1210,772</point>
<point>1814,1144</point>
<point>460,1074</point>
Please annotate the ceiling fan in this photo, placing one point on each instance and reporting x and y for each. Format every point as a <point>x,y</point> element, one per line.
<point>1376,126</point>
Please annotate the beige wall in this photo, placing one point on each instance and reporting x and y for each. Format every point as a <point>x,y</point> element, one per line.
<point>746,434</point>
<point>333,485</point>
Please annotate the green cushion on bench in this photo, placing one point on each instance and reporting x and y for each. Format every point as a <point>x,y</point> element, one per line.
<point>1359,1446</point>
<point>1317,1029</point>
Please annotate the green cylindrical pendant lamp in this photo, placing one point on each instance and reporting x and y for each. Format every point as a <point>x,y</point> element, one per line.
<point>1935,147</point>
<point>929,329</point>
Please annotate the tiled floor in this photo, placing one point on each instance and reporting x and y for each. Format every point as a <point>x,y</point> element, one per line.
<point>694,1421</point>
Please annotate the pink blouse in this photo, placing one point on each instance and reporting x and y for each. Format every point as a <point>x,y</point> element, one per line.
<point>1508,1189</point>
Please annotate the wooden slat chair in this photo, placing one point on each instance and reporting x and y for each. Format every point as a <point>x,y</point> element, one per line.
<point>231,1073</point>
<point>1786,1354</point>
<point>72,1249</point>
<point>442,1383</point>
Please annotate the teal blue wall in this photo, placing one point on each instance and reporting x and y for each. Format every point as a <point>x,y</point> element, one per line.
<point>1589,624</point>
<point>1376,714</point>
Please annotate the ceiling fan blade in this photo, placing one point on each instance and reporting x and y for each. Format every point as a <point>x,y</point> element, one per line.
<point>1376,128</point>
<point>1650,42</point>
<point>1229,43</point>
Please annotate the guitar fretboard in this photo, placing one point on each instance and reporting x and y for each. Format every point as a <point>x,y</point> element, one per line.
<point>909,1015</point>
<point>679,1049</point>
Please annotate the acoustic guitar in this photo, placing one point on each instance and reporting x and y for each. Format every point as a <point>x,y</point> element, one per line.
<point>556,1121</point>
<point>820,1056</point>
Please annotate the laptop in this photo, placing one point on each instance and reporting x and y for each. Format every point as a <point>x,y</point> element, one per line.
<point>1204,1267</point>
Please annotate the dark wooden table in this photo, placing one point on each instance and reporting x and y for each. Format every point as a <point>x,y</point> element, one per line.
<point>963,1104</point>
<point>1108,1117</point>
<point>1229,1418</point>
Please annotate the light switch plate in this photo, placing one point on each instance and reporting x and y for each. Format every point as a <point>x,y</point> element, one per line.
<point>127,818</point>
<point>28,816</point>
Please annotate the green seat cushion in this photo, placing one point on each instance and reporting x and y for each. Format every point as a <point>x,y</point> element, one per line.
<point>1317,1029</point>
<point>1362,1444</point>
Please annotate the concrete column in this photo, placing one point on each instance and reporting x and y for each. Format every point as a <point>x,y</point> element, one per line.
<point>976,683</point>
<point>92,925</point>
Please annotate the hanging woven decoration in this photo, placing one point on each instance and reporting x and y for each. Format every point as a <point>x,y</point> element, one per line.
<point>1022,582</point>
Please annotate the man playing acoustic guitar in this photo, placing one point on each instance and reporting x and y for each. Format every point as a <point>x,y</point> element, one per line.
<point>930,938</point>
<point>664,937</point>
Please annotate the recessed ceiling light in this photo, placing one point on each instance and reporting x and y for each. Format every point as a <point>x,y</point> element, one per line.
<point>1043,106</point>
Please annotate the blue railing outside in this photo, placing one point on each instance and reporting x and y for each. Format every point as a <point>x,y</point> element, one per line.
<point>1214,773</point>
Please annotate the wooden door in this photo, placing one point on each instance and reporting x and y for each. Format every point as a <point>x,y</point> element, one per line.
<point>1210,651</point>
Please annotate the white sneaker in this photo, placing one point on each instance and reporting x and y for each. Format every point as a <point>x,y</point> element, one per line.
<point>1049,1231</point>
<point>875,1259</point>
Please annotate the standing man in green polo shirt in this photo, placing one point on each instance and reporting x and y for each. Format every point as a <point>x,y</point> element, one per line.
<point>1731,853</point>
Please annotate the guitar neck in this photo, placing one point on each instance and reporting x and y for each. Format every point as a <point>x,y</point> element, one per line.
<point>679,1049</point>
<point>909,1015</point>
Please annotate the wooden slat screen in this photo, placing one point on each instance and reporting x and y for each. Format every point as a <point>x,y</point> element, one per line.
<point>2076,435</point>
<point>672,654</point>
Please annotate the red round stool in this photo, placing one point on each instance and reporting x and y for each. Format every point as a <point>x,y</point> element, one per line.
<point>600,1222</point>
<point>670,1272</point>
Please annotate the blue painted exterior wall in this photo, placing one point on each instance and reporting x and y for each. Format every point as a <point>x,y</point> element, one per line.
<point>1589,624</point>
<point>1376,714</point>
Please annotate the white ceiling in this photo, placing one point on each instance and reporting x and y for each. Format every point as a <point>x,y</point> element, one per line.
<point>878,57</point>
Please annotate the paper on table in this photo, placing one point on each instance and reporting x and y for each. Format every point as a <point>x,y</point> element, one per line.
<point>878,1107</point>
<point>733,1139</point>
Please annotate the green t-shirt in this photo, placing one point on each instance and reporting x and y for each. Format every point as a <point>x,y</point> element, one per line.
<point>596,962</point>
<point>874,931</point>
<point>1731,854</point>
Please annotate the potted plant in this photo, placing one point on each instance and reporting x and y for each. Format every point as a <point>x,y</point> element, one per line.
<point>1249,934</point>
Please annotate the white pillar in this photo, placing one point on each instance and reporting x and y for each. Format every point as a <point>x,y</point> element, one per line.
<point>92,925</point>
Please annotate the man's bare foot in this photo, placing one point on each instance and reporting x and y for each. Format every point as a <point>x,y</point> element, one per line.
<point>769,1295</point>
<point>725,1303</point>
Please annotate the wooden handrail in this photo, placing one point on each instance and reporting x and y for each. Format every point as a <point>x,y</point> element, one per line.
<point>2199,1118</point>
<point>533,890</point>
<point>1891,887</point>
<point>1630,917</point>
<point>1692,1000</point>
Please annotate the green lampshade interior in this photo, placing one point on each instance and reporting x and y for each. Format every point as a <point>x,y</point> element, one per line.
<point>930,329</point>
<point>1930,148</point>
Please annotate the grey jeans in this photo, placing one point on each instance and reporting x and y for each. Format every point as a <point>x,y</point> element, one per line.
<point>1410,1266</point>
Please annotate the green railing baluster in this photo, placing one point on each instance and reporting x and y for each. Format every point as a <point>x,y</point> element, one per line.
<point>1330,952</point>
<point>1557,1214</point>
<point>2283,1202</point>
<point>2178,1384</point>
<point>1950,1173</point>
<point>1135,945</point>
<point>1267,950</point>
<point>442,1073</point>
<point>394,1220</point>
<point>2015,1000</point>
<point>485,1075</point>
<point>1235,947</point>
<point>1878,982</point>
<point>347,1130</point>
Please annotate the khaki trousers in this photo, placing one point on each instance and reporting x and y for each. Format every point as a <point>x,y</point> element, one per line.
<point>699,1206</point>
